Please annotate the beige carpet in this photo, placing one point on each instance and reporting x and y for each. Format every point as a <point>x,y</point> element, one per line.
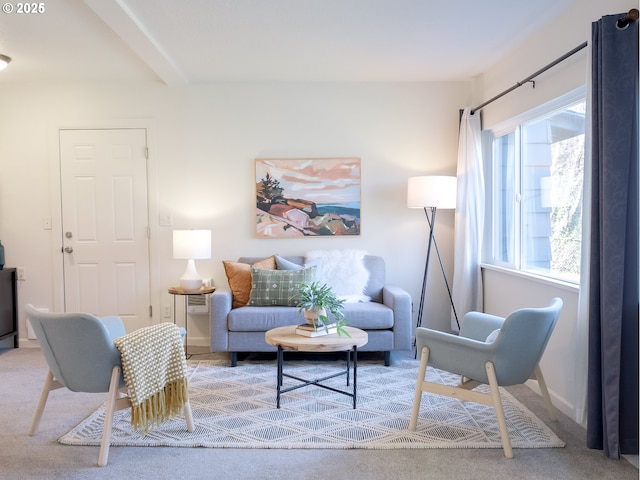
<point>236,408</point>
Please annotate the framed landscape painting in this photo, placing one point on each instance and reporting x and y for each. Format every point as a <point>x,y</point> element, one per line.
<point>307,197</point>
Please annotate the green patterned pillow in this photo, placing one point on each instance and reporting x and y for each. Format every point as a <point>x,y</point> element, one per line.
<point>278,287</point>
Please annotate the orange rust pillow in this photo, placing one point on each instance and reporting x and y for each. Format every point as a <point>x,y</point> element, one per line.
<point>239,278</point>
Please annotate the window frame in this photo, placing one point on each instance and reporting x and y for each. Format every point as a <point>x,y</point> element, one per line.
<point>513,126</point>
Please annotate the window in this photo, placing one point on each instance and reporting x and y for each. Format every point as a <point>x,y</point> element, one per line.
<point>536,192</point>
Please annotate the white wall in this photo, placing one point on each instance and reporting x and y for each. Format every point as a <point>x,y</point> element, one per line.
<point>568,31</point>
<point>203,142</point>
<point>504,291</point>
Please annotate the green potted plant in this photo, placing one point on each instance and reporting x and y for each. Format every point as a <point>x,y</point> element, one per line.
<point>316,301</point>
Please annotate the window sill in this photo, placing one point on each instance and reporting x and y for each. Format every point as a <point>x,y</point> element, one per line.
<point>568,286</point>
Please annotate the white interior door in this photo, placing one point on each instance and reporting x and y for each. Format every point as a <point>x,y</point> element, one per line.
<point>105,223</point>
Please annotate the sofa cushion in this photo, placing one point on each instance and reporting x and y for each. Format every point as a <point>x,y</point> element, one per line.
<point>261,319</point>
<point>278,287</point>
<point>299,259</point>
<point>374,265</point>
<point>239,278</point>
<point>284,264</point>
<point>377,277</point>
<point>369,316</point>
<point>344,271</point>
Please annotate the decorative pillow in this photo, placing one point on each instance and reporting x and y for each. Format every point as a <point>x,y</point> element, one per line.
<point>284,264</point>
<point>492,336</point>
<point>344,272</point>
<point>278,287</point>
<point>239,278</point>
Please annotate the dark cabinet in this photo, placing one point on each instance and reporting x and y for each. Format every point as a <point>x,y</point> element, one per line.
<point>8,301</point>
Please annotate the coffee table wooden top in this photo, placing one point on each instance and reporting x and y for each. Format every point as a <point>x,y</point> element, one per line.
<point>287,338</point>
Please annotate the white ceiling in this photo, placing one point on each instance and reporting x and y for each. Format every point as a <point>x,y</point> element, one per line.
<point>183,42</point>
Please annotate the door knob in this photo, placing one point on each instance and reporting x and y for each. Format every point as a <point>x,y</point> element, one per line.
<point>68,249</point>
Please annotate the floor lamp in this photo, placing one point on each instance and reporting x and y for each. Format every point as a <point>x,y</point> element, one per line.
<point>432,193</point>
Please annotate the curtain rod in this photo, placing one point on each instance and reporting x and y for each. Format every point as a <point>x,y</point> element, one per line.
<point>530,77</point>
<point>630,17</point>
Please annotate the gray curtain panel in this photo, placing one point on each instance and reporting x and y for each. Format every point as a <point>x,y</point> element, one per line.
<point>612,397</point>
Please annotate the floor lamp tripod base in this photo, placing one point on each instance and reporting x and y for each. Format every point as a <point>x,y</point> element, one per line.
<point>432,241</point>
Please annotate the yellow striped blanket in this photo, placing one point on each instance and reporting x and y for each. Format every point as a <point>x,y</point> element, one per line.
<point>155,372</point>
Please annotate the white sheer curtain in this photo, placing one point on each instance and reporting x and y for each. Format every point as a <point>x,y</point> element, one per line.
<point>469,218</point>
<point>582,324</point>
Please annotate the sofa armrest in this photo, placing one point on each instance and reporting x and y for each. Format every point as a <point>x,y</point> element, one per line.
<point>218,328</point>
<point>399,300</point>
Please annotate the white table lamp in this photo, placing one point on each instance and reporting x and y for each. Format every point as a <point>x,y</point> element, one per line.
<point>191,245</point>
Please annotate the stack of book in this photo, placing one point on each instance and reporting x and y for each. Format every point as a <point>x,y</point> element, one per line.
<point>310,331</point>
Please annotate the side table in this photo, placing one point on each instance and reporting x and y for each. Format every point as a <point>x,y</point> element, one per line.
<point>181,291</point>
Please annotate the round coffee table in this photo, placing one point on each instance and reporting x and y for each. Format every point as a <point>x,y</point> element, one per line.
<point>285,338</point>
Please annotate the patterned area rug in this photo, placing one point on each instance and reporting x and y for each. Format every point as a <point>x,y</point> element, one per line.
<point>236,408</point>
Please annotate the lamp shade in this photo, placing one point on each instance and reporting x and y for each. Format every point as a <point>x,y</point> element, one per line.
<point>431,191</point>
<point>192,244</point>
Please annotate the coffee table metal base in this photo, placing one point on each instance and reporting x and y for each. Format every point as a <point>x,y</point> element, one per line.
<point>317,381</point>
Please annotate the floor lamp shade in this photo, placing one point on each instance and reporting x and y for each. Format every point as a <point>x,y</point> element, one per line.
<point>432,192</point>
<point>191,245</point>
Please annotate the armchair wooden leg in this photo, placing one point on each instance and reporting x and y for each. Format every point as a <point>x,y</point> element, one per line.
<point>417,398</point>
<point>546,398</point>
<point>49,384</point>
<point>105,443</point>
<point>497,404</point>
<point>188,416</point>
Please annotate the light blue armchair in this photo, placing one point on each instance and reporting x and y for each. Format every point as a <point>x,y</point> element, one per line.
<point>81,356</point>
<point>512,358</point>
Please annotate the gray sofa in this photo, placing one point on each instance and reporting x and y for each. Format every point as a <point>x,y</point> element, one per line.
<point>386,318</point>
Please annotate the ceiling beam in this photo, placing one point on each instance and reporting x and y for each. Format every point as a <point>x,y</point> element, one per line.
<point>117,15</point>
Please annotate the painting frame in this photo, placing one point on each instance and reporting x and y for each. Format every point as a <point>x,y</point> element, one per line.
<point>308,197</point>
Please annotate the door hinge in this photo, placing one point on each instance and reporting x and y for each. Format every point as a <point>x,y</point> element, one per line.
<point>150,311</point>
<point>146,153</point>
<point>148,232</point>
